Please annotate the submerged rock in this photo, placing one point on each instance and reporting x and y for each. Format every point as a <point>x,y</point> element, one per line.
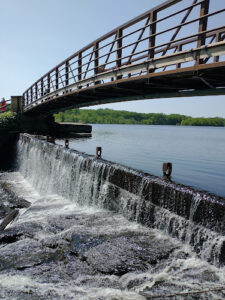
<point>119,256</point>
<point>9,200</point>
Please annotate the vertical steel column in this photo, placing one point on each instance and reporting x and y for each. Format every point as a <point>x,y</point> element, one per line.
<point>152,38</point>
<point>48,83</point>
<point>67,72</point>
<point>27,102</point>
<point>36,91</point>
<point>218,39</point>
<point>80,67</point>
<point>42,88</point>
<point>56,79</point>
<point>204,10</point>
<point>23,102</point>
<point>96,61</point>
<point>119,35</point>
<point>31,94</point>
<point>179,48</point>
<point>96,52</point>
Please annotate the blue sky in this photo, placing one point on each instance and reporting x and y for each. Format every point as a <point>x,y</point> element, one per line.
<point>37,35</point>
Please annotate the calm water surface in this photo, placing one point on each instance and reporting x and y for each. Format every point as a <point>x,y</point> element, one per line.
<point>197,153</point>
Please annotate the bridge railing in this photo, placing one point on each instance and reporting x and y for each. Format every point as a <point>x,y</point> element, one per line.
<point>146,38</point>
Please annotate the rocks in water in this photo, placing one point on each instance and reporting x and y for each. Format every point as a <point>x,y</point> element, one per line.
<point>59,250</point>
<point>9,201</point>
<point>82,243</point>
<point>121,255</point>
<point>9,209</point>
<point>9,218</point>
<point>9,237</point>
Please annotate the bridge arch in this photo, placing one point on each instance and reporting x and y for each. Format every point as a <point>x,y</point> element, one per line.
<point>141,59</point>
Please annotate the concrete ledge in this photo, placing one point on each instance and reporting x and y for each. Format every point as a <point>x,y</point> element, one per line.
<point>64,128</point>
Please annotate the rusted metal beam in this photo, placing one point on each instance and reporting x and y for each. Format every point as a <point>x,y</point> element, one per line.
<point>42,88</point>
<point>204,10</point>
<point>206,83</point>
<point>27,98</point>
<point>157,21</point>
<point>179,49</point>
<point>119,50</point>
<point>125,25</point>
<point>211,50</point>
<point>161,7</point>
<point>136,45</point>
<point>210,42</point>
<point>179,28</point>
<point>60,76</point>
<point>153,18</point>
<point>111,48</point>
<point>48,84</point>
<point>152,35</point>
<point>176,45</point>
<point>219,38</point>
<point>85,74</point>
<point>167,30</point>
<point>78,62</point>
<point>96,60</point>
<point>71,70</point>
<point>138,40</point>
<point>31,94</point>
<point>180,25</point>
<point>216,58</point>
<point>36,91</point>
<point>56,78</point>
<point>67,72</point>
<point>79,66</point>
<point>178,40</point>
<point>52,84</point>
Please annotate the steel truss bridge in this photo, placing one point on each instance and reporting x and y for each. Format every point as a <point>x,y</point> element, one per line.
<point>176,49</point>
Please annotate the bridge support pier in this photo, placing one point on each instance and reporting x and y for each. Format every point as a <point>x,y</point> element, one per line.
<point>44,125</point>
<point>17,104</point>
<point>37,124</point>
<point>30,123</point>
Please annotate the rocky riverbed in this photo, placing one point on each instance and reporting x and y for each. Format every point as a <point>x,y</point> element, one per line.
<point>56,249</point>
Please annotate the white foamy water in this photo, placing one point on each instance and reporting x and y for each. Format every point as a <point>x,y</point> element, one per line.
<point>90,182</point>
<point>182,271</point>
<point>70,245</point>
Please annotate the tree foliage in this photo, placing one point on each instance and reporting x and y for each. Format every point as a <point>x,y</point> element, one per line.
<point>8,121</point>
<point>110,116</point>
<point>203,122</point>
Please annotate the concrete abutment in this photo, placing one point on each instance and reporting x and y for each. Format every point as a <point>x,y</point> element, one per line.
<point>45,124</point>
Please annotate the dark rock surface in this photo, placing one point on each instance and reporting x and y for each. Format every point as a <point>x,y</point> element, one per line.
<point>9,200</point>
<point>121,255</point>
<point>57,250</point>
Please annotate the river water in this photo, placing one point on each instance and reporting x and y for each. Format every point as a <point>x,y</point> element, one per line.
<point>197,153</point>
<point>66,243</point>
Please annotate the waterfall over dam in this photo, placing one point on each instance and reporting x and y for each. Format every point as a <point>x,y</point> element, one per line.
<point>193,217</point>
<point>89,229</point>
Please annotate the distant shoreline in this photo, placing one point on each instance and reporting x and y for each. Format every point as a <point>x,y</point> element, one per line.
<point>110,116</point>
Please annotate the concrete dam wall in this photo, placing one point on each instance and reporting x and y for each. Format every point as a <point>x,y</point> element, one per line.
<point>194,217</point>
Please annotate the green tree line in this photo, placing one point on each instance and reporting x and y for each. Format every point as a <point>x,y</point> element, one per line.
<point>110,116</point>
